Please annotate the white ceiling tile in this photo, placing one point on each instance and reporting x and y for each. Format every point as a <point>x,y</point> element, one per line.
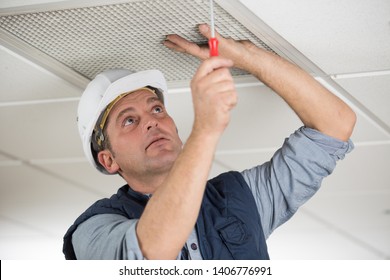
<point>180,108</point>
<point>31,248</point>
<point>339,36</point>
<point>85,175</point>
<point>260,119</point>
<point>4,157</point>
<point>364,170</point>
<point>286,244</point>
<point>365,131</point>
<point>22,80</point>
<point>352,211</point>
<point>40,131</point>
<point>379,238</point>
<point>373,92</point>
<point>16,229</point>
<point>41,201</point>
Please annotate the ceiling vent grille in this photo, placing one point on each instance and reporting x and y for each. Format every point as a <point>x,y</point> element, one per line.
<point>84,41</point>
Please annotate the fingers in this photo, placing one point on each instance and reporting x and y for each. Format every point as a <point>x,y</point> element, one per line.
<point>213,78</point>
<point>179,44</point>
<point>226,93</point>
<point>214,95</point>
<point>212,64</point>
<point>205,30</point>
<point>173,46</point>
<point>218,82</point>
<point>237,50</point>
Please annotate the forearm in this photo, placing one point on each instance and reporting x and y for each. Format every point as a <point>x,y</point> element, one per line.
<point>171,213</point>
<point>314,104</point>
<point>173,210</point>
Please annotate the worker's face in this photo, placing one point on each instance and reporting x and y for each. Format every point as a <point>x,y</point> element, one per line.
<point>143,137</point>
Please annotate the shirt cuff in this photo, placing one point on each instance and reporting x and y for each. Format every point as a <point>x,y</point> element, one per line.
<point>331,145</point>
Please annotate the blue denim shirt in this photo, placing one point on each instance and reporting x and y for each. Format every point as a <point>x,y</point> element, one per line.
<point>279,186</point>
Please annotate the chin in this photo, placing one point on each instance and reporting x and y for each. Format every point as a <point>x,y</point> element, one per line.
<point>163,162</point>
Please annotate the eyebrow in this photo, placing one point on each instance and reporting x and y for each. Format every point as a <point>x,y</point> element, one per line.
<point>130,109</point>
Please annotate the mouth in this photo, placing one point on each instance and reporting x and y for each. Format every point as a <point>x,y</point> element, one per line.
<point>156,141</point>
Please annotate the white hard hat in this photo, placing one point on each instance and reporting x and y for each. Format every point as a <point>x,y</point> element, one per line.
<point>101,91</point>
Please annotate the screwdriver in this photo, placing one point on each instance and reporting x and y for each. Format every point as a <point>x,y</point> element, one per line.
<point>213,42</point>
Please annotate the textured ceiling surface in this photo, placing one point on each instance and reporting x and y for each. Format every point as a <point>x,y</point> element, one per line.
<point>128,35</point>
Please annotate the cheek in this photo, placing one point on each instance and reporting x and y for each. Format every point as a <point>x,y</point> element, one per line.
<point>173,129</point>
<point>124,143</point>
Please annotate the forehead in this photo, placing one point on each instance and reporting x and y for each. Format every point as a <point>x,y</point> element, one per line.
<point>133,101</point>
<point>138,97</point>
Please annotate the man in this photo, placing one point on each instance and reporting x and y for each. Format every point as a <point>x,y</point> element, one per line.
<point>168,209</point>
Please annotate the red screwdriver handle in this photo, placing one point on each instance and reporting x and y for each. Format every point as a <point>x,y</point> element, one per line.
<point>213,45</point>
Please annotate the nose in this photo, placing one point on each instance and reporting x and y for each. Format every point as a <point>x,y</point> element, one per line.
<point>150,124</point>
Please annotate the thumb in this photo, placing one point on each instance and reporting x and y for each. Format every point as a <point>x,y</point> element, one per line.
<point>209,65</point>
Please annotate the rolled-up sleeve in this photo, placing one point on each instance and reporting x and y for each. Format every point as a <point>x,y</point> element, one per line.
<point>107,237</point>
<point>293,175</point>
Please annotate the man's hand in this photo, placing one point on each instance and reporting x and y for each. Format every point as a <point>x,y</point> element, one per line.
<point>214,95</point>
<point>228,48</point>
<point>212,86</point>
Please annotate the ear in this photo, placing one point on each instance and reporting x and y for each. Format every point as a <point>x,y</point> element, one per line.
<point>107,160</point>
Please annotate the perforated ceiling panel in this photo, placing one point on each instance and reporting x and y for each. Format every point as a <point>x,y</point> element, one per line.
<point>91,39</point>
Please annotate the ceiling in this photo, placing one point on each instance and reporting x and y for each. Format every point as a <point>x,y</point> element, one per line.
<point>45,181</point>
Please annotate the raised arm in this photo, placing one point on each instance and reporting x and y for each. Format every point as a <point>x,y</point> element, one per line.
<point>317,107</point>
<point>171,213</point>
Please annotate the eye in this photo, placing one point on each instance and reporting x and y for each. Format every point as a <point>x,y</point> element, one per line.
<point>128,121</point>
<point>158,109</point>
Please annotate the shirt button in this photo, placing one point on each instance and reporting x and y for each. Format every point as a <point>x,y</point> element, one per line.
<point>194,246</point>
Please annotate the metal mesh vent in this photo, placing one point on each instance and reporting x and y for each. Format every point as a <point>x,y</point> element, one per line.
<point>89,40</point>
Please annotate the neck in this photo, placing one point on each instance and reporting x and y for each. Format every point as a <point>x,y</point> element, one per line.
<point>146,185</point>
